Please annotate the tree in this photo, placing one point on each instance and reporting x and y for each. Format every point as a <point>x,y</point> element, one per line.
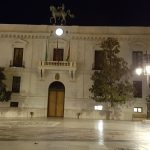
<point>4,95</point>
<point>111,83</point>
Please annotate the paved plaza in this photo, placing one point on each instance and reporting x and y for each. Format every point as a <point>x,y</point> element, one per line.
<point>73,134</point>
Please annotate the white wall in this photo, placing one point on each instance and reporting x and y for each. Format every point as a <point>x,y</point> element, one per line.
<point>83,43</point>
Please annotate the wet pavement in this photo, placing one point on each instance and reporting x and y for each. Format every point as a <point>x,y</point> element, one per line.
<point>73,134</point>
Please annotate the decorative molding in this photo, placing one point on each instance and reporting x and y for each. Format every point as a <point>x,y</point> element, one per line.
<point>139,44</point>
<point>101,37</point>
<point>19,43</point>
<point>93,36</point>
<point>57,76</point>
<point>24,35</point>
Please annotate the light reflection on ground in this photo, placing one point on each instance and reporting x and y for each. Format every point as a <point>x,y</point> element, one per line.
<point>75,134</point>
<point>100,131</point>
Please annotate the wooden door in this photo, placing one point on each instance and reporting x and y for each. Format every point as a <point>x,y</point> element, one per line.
<point>56,104</point>
<point>60,104</point>
<point>58,54</point>
<point>18,57</point>
<point>52,104</point>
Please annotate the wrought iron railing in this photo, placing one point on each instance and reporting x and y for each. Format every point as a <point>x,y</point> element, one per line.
<point>21,65</point>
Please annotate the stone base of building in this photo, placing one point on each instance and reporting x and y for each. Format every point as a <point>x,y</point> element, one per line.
<point>68,113</point>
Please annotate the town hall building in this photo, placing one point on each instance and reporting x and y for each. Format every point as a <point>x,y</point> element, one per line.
<point>48,69</point>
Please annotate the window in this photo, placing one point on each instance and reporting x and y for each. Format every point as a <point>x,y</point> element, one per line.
<point>18,57</point>
<point>13,104</point>
<point>138,109</point>
<point>137,58</point>
<point>99,60</point>
<point>146,58</point>
<point>99,107</point>
<point>137,89</point>
<point>16,84</point>
<point>58,54</point>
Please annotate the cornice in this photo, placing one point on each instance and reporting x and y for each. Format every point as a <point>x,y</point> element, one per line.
<point>100,36</point>
<point>23,35</point>
<point>75,36</point>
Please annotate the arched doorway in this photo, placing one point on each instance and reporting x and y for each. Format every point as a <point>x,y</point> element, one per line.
<point>56,97</point>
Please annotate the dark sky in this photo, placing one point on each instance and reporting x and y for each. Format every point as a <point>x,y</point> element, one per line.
<point>87,12</point>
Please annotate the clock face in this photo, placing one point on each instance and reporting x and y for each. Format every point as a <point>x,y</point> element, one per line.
<point>59,32</point>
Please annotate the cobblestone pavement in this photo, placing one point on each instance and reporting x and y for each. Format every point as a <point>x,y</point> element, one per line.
<point>73,134</point>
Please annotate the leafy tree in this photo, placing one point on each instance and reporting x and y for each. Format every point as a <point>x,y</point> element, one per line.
<point>111,83</point>
<point>4,95</point>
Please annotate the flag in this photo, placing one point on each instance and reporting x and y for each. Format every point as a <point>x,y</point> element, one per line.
<point>46,55</point>
<point>68,56</point>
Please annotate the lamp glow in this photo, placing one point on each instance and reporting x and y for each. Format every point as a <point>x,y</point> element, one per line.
<point>147,70</point>
<point>99,107</point>
<point>138,71</point>
<point>59,31</point>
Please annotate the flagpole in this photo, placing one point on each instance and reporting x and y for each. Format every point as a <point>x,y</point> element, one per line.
<point>57,43</point>
<point>68,56</point>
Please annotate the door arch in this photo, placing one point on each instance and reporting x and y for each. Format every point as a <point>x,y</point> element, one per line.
<point>56,95</point>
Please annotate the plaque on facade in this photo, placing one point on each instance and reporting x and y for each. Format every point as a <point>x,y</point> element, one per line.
<point>57,76</point>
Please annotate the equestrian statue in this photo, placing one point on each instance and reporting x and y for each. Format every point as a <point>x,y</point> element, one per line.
<point>59,15</point>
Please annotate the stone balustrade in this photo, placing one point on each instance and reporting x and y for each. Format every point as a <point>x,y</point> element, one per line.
<point>62,64</point>
<point>58,65</point>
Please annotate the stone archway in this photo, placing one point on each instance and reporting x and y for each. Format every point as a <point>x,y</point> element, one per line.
<point>56,96</point>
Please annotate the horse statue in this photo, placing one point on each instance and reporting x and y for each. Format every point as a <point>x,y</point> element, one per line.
<point>59,14</point>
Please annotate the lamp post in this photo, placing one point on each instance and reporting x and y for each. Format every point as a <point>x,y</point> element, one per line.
<point>145,70</point>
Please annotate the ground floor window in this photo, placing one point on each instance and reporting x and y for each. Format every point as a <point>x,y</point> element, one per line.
<point>16,84</point>
<point>98,107</point>
<point>137,89</point>
<point>138,109</point>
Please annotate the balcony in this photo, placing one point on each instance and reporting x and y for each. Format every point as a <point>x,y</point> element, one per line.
<point>17,65</point>
<point>59,66</point>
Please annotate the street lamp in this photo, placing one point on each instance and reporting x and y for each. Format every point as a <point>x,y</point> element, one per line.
<point>145,70</point>
<point>138,71</point>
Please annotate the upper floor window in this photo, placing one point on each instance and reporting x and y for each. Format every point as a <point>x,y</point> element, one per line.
<point>18,57</point>
<point>137,89</point>
<point>58,54</point>
<point>137,58</point>
<point>16,84</point>
<point>99,60</point>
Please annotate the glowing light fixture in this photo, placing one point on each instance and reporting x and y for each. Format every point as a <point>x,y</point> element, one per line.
<point>147,70</point>
<point>59,32</point>
<point>99,107</point>
<point>138,71</point>
<point>137,109</point>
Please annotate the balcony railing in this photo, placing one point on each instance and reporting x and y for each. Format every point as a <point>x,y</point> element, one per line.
<point>19,65</point>
<point>58,65</point>
<point>61,65</point>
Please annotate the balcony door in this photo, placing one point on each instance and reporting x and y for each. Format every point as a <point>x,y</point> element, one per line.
<point>58,54</point>
<point>56,100</point>
<point>18,57</point>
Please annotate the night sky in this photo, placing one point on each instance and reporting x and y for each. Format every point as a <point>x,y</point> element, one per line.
<point>87,12</point>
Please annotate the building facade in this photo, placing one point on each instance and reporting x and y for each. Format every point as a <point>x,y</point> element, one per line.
<point>49,75</point>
